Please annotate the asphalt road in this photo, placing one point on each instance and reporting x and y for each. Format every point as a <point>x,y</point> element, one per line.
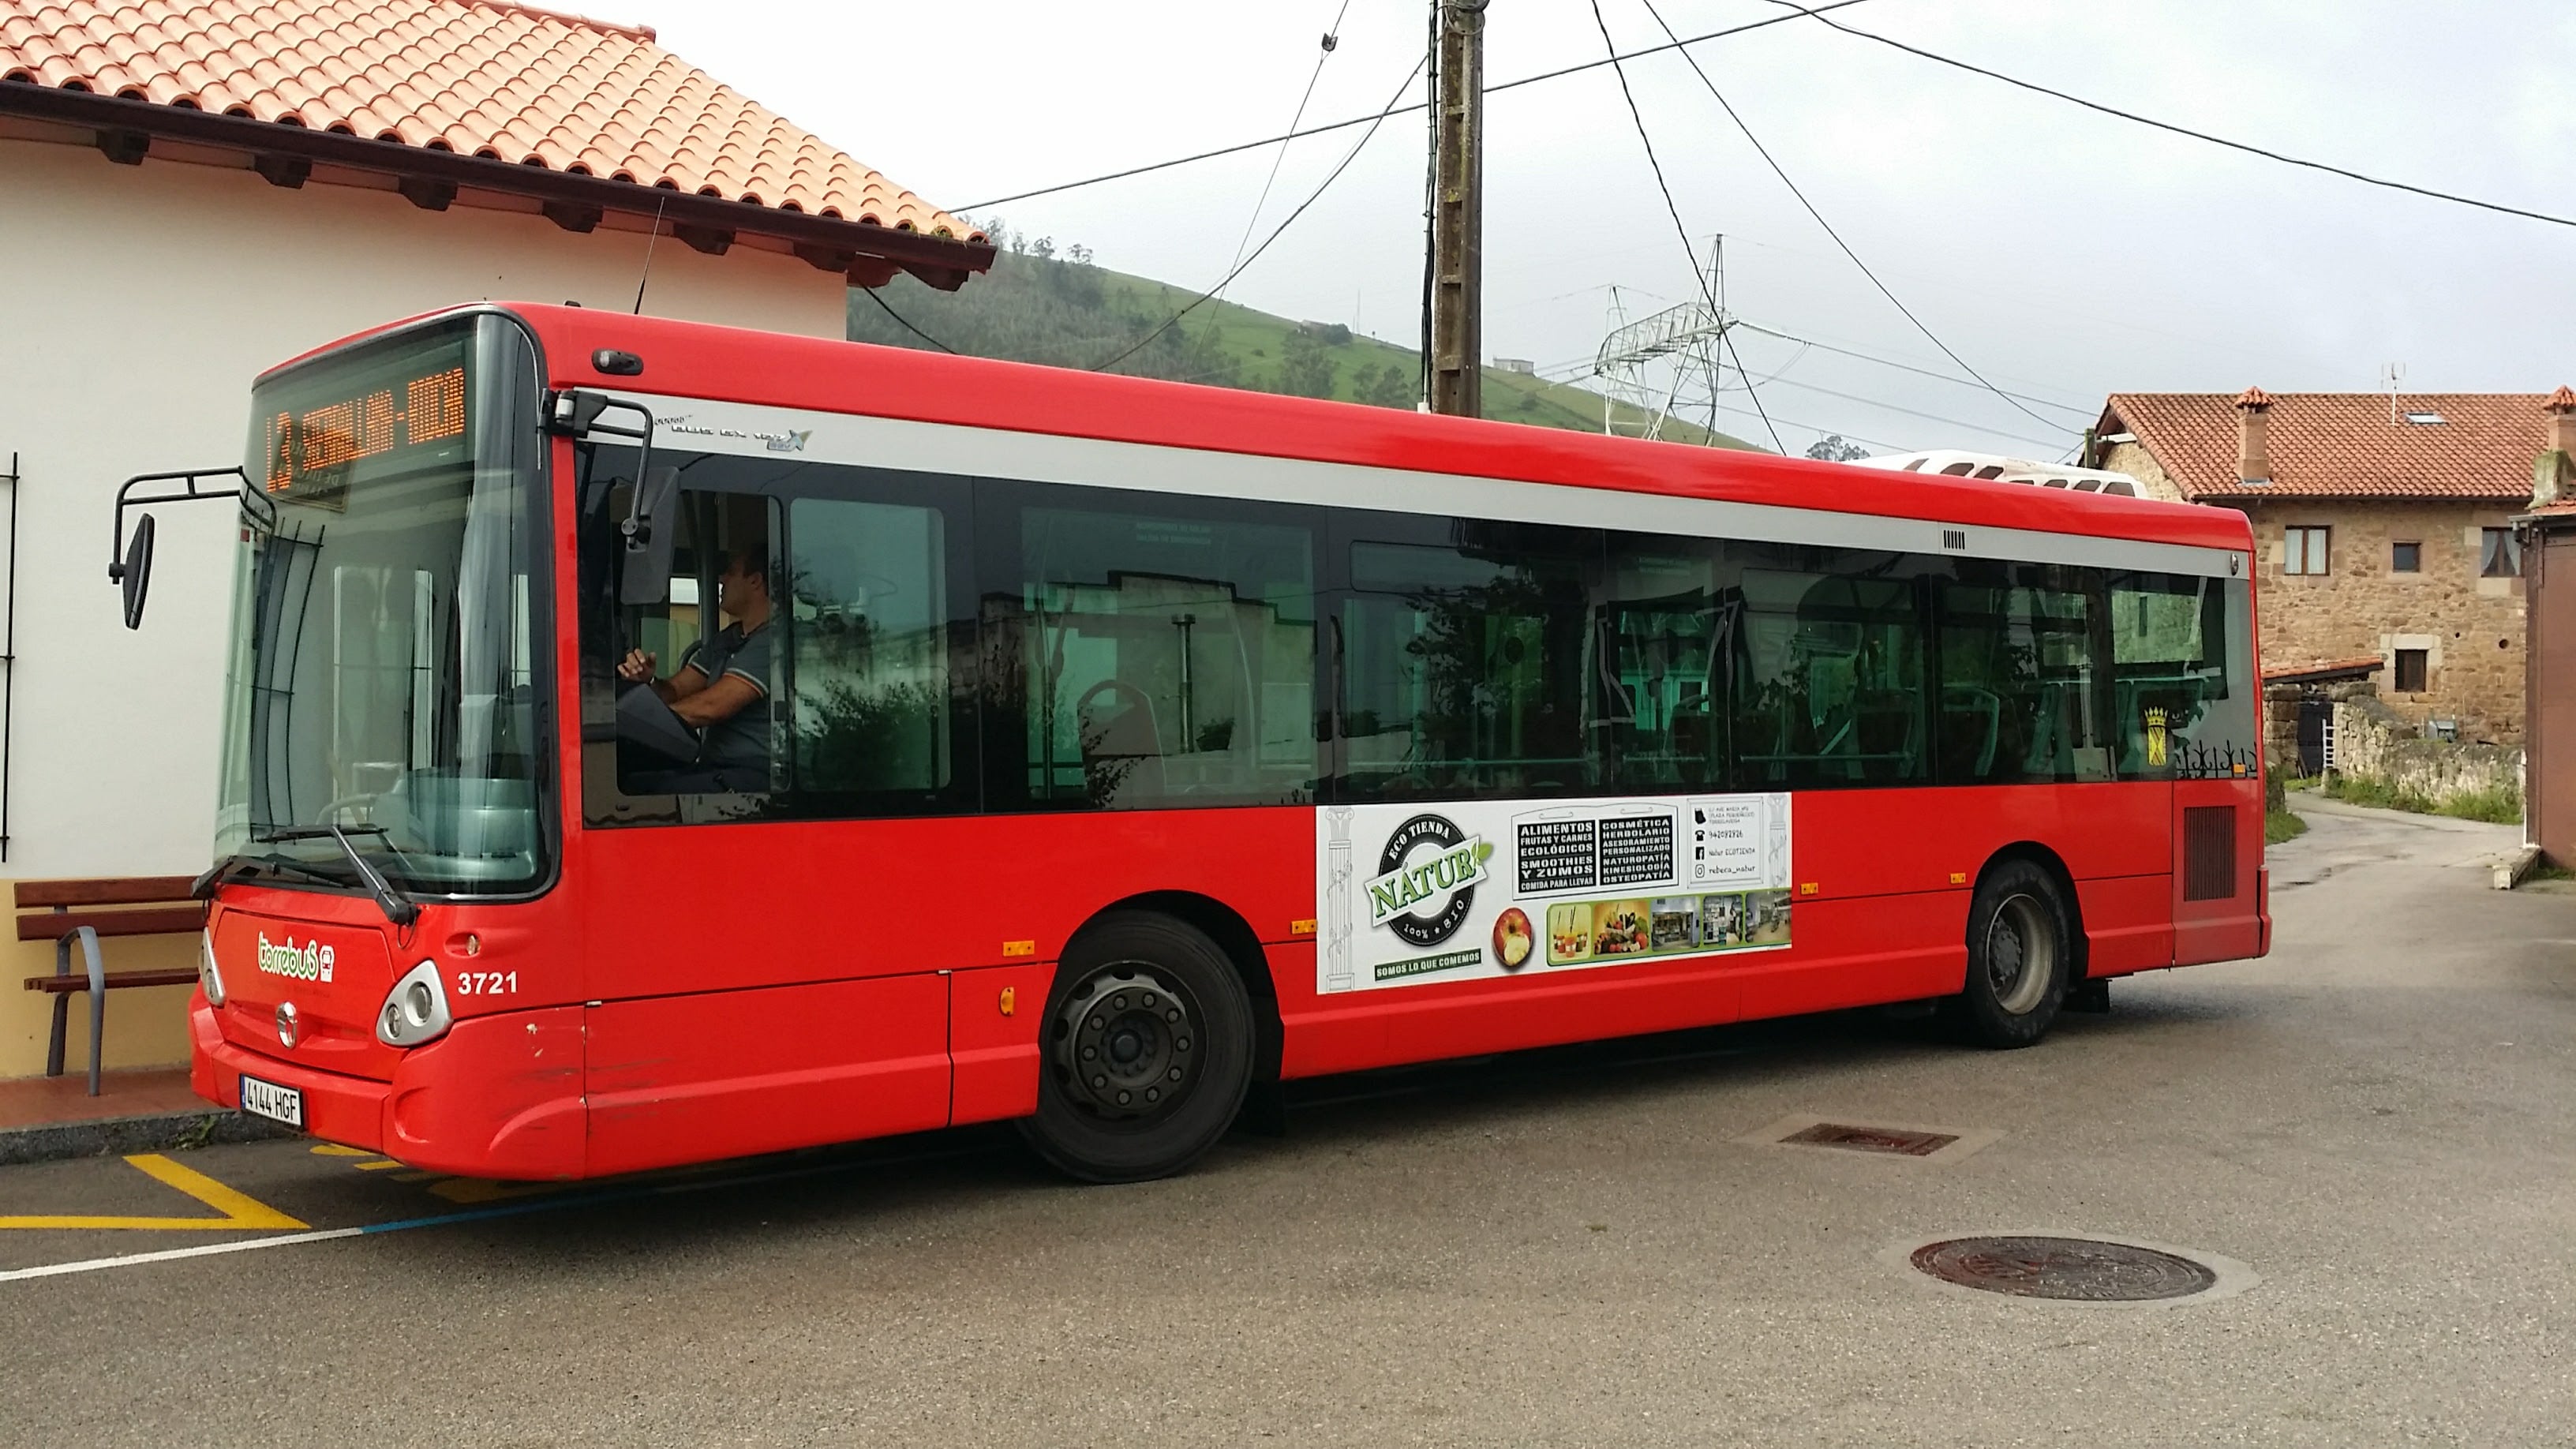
<point>1562,1248</point>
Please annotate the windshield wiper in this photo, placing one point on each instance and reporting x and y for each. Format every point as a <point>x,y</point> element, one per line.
<point>397,907</point>
<point>224,869</point>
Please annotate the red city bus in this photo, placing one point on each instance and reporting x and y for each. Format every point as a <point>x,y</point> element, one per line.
<point>650,742</point>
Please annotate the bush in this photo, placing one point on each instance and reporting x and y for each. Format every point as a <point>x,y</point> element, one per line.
<point>2280,825</point>
<point>2498,806</point>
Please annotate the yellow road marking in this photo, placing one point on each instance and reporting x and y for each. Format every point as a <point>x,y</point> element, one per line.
<point>237,1211</point>
<point>379,1166</point>
<point>334,1149</point>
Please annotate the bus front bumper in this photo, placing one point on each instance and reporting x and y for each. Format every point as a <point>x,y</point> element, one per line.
<point>497,1096</point>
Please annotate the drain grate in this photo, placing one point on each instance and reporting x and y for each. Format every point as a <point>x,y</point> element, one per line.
<point>2083,1270</point>
<point>1902,1141</point>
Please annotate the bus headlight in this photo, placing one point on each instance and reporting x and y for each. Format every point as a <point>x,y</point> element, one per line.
<point>415,1011</point>
<point>210,977</point>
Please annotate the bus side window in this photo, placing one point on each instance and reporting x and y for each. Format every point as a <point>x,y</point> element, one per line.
<point>1464,664</point>
<point>1830,687</point>
<point>1168,660</point>
<point>1669,626</point>
<point>867,611</point>
<point>2020,691</point>
<point>2173,637</point>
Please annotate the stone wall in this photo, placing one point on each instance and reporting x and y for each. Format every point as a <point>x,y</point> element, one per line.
<point>2470,628</point>
<point>2372,743</point>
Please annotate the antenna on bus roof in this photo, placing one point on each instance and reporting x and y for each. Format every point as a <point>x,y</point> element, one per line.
<point>648,256</point>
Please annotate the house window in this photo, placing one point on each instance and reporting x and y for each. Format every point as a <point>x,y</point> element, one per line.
<point>2306,551</point>
<point>2410,671</point>
<point>2499,554</point>
<point>2406,558</point>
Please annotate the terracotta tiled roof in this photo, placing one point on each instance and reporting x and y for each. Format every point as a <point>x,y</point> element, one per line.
<point>474,77</point>
<point>2342,445</point>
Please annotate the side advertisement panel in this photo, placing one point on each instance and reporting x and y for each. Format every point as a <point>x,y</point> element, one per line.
<point>1425,893</point>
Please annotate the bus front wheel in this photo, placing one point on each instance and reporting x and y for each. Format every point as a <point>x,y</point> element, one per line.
<point>1146,1050</point>
<point>2020,950</point>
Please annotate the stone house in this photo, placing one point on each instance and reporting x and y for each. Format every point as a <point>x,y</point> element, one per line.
<point>2384,528</point>
<point>193,192</point>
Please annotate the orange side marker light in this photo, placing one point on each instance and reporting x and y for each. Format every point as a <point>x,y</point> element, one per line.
<point>1010,1001</point>
<point>1806,887</point>
<point>1019,948</point>
<point>1301,928</point>
<point>1958,877</point>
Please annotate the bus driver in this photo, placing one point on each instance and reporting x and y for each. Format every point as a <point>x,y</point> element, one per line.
<point>720,679</point>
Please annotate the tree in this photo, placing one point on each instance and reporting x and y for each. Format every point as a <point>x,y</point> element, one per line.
<point>1305,367</point>
<point>1832,449</point>
<point>1384,385</point>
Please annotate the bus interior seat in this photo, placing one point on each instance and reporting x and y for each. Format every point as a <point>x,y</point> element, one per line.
<point>1117,739</point>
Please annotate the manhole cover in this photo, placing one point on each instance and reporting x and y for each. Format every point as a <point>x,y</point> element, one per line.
<point>2083,1270</point>
<point>1903,1141</point>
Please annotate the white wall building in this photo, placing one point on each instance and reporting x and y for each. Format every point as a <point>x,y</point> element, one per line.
<point>158,256</point>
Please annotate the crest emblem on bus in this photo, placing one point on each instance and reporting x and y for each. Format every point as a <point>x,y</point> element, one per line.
<point>2155,738</point>
<point>787,442</point>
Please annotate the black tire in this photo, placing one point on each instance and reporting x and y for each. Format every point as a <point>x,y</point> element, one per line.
<point>2021,947</point>
<point>1145,1052</point>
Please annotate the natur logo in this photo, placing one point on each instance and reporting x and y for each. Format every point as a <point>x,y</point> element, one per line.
<point>310,962</point>
<point>1423,896</point>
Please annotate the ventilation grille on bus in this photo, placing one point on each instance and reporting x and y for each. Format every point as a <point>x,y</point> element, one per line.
<point>2208,852</point>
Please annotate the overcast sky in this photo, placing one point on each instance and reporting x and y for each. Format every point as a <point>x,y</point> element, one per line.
<point>2062,253</point>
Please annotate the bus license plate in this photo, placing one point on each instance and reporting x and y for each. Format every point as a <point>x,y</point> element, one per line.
<point>276,1103</point>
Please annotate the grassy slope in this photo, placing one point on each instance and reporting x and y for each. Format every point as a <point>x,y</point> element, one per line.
<point>1233,345</point>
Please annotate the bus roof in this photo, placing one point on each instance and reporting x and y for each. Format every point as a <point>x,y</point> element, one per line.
<point>740,365</point>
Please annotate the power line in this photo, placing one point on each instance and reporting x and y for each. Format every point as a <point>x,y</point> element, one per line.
<point>871,295</point>
<point>1317,195</point>
<point>1817,13</point>
<point>1527,80</point>
<point>1911,413</point>
<point>1776,170</point>
<point>1907,367</point>
<point>1674,211</point>
<point>1332,38</point>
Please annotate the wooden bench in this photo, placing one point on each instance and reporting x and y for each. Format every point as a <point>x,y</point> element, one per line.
<point>157,905</point>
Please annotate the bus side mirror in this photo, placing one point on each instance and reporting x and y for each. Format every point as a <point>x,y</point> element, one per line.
<point>134,571</point>
<point>649,529</point>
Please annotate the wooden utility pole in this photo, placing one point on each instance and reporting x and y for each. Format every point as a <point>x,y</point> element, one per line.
<point>1457,211</point>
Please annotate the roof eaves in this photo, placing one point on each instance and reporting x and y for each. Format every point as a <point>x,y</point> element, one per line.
<point>941,261</point>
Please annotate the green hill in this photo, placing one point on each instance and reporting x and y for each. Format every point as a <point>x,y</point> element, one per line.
<point>1063,311</point>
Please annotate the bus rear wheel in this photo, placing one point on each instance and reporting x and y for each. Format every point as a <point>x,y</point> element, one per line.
<point>2020,949</point>
<point>1146,1047</point>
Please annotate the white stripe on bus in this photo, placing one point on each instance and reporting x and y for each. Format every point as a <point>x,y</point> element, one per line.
<point>743,430</point>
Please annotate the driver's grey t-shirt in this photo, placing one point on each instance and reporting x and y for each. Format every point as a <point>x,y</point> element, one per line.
<point>737,745</point>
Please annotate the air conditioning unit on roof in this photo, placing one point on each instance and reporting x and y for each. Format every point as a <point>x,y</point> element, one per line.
<point>1955,463</point>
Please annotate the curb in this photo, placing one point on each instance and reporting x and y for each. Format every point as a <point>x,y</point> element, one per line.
<point>117,1136</point>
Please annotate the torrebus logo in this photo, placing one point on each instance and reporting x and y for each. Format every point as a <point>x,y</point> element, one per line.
<point>310,962</point>
<point>1423,894</point>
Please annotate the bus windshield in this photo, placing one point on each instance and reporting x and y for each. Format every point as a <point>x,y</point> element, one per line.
<point>381,677</point>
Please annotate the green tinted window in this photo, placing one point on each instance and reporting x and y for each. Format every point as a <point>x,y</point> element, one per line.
<point>868,618</point>
<point>1830,672</point>
<point>1670,622</point>
<point>1464,665</point>
<point>2174,640</point>
<point>1169,660</point>
<point>2021,697</point>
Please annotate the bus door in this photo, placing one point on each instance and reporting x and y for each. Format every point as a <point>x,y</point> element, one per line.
<point>743,1000</point>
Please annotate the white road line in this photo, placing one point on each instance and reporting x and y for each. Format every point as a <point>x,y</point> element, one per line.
<point>509,1210</point>
<point>92,1265</point>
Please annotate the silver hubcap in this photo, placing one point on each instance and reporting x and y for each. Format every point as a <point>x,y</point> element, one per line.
<point>2021,955</point>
